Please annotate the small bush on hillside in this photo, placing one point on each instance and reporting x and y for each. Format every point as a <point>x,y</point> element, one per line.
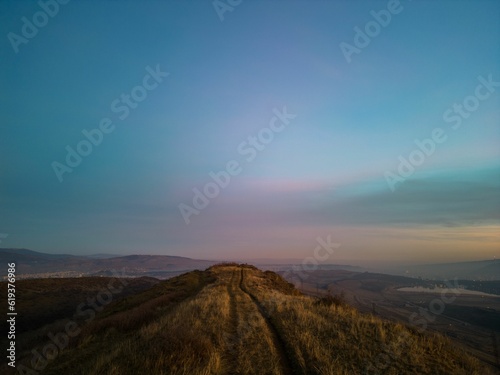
<point>335,300</point>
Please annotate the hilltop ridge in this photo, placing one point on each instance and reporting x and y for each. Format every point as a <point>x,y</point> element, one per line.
<point>237,319</point>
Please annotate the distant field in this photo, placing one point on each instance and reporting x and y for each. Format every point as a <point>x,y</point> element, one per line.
<point>420,289</point>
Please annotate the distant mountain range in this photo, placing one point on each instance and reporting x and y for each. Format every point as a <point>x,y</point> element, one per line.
<point>37,264</point>
<point>29,262</point>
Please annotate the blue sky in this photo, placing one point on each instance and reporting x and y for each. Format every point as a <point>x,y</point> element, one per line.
<point>324,174</point>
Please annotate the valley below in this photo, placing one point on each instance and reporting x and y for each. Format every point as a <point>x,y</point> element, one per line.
<point>470,317</point>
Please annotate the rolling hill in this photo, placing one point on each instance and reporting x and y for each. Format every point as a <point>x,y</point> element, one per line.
<point>35,263</point>
<point>230,319</point>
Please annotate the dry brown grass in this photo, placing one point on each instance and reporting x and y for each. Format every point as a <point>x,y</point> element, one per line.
<point>218,331</point>
<point>253,322</point>
<point>333,338</point>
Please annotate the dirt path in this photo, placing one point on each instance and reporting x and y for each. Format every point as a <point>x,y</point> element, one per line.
<point>233,315</point>
<point>279,344</point>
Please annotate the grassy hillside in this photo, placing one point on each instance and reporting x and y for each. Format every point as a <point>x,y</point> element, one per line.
<point>236,319</point>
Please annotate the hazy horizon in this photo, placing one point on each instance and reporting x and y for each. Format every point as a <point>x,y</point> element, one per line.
<point>390,152</point>
<point>376,265</point>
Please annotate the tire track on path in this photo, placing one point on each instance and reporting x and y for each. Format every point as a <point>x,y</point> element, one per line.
<point>233,316</point>
<point>285,360</point>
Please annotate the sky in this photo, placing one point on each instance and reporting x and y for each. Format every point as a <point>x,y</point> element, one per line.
<point>252,129</point>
